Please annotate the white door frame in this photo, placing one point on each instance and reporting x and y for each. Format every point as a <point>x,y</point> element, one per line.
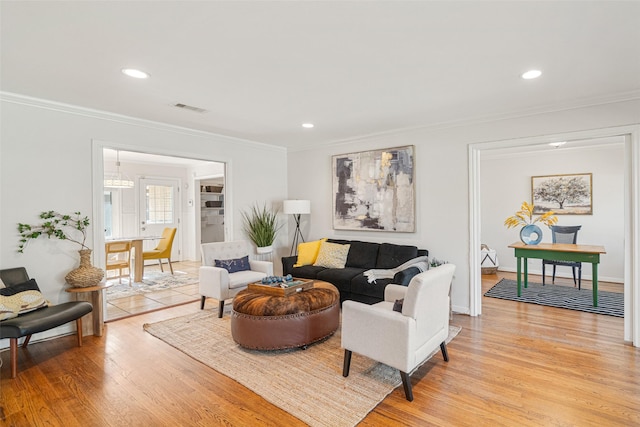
<point>631,207</point>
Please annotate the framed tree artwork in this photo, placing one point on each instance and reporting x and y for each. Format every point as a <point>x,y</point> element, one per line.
<point>563,194</point>
<point>374,190</point>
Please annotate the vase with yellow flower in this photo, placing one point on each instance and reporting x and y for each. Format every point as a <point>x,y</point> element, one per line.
<point>530,234</point>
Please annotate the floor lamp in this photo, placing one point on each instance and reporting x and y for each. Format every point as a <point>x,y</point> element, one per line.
<point>296,208</point>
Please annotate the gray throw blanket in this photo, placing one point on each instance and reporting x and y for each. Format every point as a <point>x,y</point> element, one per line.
<point>421,262</point>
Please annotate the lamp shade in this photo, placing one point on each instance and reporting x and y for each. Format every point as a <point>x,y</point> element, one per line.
<point>296,206</point>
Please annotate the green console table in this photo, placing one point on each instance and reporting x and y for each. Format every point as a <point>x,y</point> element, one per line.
<point>560,252</point>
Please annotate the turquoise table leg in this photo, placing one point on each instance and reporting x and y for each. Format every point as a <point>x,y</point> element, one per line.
<point>518,259</point>
<point>594,270</point>
<point>526,272</point>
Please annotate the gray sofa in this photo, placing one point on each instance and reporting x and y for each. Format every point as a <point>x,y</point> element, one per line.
<point>350,280</point>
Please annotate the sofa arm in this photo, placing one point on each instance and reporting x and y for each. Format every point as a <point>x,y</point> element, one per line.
<point>265,267</point>
<point>393,292</point>
<point>287,264</point>
<point>404,277</point>
<point>214,282</point>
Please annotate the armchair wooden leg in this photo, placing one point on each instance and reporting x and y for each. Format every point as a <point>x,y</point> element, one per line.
<point>13,344</point>
<point>406,383</point>
<point>160,262</point>
<point>445,353</point>
<point>202,300</point>
<point>79,330</point>
<point>170,266</point>
<point>347,363</point>
<point>26,341</point>
<point>220,308</point>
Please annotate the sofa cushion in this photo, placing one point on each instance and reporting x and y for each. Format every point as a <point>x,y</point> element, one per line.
<point>340,277</point>
<point>308,252</point>
<point>362,254</point>
<point>332,255</point>
<point>360,285</point>
<point>391,256</point>
<point>241,279</point>
<point>306,271</point>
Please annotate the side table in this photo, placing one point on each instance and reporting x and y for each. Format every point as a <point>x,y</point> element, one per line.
<point>96,301</point>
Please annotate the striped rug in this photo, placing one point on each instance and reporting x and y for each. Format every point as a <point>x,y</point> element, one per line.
<point>609,303</point>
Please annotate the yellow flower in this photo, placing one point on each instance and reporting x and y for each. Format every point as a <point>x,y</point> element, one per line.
<point>525,217</point>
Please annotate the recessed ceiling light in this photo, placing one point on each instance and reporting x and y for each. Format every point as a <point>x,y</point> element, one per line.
<point>132,72</point>
<point>307,125</point>
<point>532,74</point>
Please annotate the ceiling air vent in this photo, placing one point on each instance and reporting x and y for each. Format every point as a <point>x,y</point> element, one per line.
<point>190,107</point>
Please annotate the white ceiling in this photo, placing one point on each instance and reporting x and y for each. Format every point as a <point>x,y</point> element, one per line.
<point>263,68</point>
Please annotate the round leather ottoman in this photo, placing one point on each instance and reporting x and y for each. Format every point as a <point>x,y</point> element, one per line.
<point>266,322</point>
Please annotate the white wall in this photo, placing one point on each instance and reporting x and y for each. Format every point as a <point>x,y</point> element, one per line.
<point>442,178</point>
<point>46,164</point>
<point>506,183</point>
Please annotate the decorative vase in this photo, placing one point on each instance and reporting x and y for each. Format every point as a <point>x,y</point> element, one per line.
<point>531,234</point>
<point>85,275</point>
<point>264,249</point>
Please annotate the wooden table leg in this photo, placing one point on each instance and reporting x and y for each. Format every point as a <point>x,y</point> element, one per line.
<point>98,313</point>
<point>518,261</point>
<point>526,272</point>
<point>594,278</point>
<point>138,267</point>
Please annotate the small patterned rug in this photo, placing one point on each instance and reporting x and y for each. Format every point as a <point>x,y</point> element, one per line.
<point>308,384</point>
<point>609,303</point>
<point>152,281</point>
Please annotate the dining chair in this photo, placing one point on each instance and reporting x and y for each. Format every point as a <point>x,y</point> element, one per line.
<point>118,257</point>
<point>564,234</point>
<point>163,249</point>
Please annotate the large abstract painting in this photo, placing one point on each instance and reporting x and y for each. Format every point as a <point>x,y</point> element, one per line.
<point>374,190</point>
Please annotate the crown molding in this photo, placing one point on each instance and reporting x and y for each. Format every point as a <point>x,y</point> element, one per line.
<point>633,95</point>
<point>16,98</point>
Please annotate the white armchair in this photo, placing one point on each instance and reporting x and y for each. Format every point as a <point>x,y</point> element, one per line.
<point>218,283</point>
<point>401,340</point>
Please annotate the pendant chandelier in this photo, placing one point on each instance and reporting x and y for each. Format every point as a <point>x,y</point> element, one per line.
<point>117,180</point>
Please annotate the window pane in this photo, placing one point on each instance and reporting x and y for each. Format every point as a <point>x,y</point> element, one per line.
<point>159,204</point>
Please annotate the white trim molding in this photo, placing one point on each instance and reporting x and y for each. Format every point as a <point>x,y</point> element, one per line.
<point>631,133</point>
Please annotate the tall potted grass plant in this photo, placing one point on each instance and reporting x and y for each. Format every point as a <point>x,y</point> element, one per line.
<point>261,225</point>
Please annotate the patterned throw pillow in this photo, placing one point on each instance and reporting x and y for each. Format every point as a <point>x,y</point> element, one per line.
<point>234,265</point>
<point>332,255</point>
<point>308,252</point>
<point>13,304</point>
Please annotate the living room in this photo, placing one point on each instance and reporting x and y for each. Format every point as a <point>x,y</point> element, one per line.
<point>51,146</point>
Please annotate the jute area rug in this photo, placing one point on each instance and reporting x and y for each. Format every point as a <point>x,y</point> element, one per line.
<point>306,383</point>
<point>152,281</point>
<point>609,303</point>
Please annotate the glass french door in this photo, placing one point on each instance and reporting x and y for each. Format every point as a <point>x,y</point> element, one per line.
<point>159,207</point>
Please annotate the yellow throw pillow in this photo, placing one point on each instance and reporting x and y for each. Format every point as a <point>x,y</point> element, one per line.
<point>308,252</point>
<point>332,255</point>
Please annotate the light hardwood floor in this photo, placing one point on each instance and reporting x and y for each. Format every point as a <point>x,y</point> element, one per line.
<point>516,365</point>
<point>118,308</point>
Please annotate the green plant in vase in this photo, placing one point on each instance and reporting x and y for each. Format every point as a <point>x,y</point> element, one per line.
<point>65,227</point>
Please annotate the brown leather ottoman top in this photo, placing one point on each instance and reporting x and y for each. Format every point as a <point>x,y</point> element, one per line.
<point>322,295</point>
